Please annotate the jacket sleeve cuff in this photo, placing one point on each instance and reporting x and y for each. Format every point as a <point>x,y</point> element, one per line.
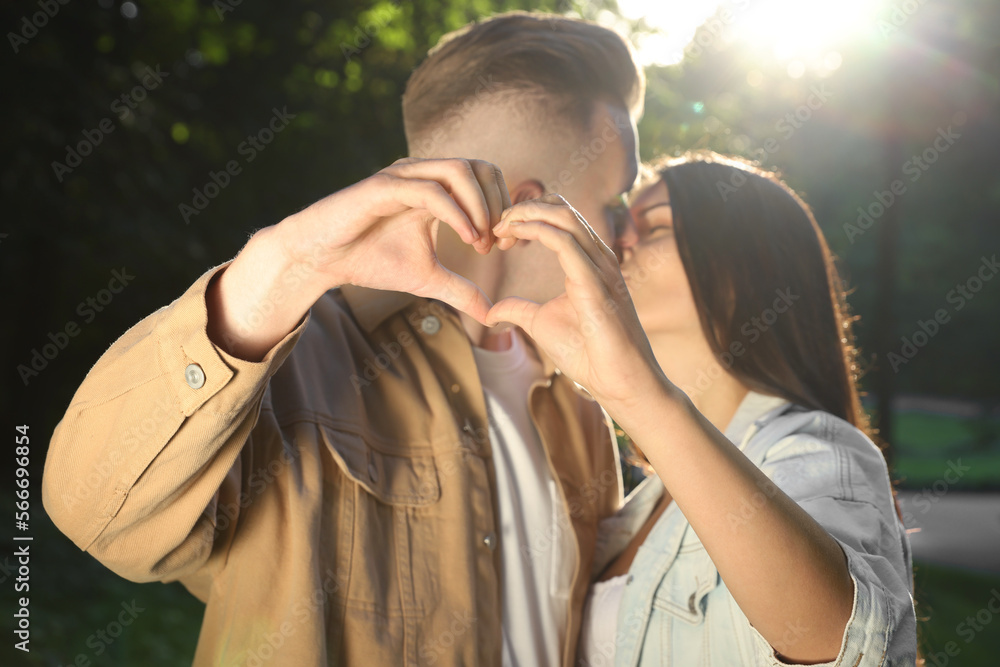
<point>868,628</point>
<point>162,385</point>
<point>187,353</point>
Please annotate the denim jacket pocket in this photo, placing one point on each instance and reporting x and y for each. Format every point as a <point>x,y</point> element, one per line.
<point>683,589</point>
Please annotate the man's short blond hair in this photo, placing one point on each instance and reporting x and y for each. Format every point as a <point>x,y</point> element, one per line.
<point>568,65</point>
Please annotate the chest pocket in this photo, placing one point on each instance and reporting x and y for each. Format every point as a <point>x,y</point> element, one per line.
<point>394,475</point>
<point>385,512</point>
<point>690,579</point>
<point>382,516</point>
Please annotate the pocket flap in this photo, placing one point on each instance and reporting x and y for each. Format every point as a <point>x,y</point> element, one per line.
<point>682,591</point>
<point>395,478</point>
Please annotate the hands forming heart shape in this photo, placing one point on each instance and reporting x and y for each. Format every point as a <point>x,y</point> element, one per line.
<point>385,237</point>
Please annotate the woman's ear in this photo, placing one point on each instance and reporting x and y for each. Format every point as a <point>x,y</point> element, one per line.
<point>525,190</point>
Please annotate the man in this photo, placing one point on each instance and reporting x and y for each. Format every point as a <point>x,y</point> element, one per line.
<point>369,474</point>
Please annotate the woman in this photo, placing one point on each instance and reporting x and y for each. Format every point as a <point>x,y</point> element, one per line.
<point>769,534</point>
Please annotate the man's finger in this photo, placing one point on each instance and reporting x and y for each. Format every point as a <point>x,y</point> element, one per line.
<point>459,179</point>
<point>430,196</point>
<point>459,293</point>
<point>502,185</point>
<point>493,187</point>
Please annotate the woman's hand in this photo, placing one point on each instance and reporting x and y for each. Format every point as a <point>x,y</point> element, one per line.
<point>591,331</point>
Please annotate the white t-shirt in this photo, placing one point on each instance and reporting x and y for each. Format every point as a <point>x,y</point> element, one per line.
<point>536,566</point>
<point>600,622</point>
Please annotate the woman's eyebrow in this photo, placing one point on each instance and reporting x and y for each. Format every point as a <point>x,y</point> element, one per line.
<point>650,208</point>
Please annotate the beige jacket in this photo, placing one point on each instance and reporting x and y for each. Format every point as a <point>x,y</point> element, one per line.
<point>333,504</point>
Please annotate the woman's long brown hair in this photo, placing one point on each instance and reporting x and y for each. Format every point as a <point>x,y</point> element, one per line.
<point>746,239</point>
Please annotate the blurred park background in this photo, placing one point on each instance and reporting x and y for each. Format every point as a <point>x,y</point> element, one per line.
<point>884,114</point>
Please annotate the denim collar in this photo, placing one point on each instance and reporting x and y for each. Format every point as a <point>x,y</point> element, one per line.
<point>754,411</point>
<point>616,531</point>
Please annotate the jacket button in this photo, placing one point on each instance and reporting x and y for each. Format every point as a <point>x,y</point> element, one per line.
<point>490,541</point>
<point>430,325</point>
<point>195,376</point>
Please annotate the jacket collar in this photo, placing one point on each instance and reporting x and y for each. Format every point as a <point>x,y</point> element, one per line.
<point>754,409</point>
<point>616,531</point>
<point>371,307</point>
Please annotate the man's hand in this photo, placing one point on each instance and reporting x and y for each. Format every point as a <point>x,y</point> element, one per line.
<point>379,233</point>
<point>591,331</point>
<point>382,232</point>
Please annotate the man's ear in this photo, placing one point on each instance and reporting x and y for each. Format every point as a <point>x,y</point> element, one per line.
<point>525,190</point>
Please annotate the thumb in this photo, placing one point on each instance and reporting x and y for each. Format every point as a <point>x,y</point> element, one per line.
<point>513,309</point>
<point>460,293</point>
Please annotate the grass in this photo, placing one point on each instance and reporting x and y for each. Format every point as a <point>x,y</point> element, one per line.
<point>924,443</point>
<point>946,597</point>
<point>922,473</point>
<point>932,434</point>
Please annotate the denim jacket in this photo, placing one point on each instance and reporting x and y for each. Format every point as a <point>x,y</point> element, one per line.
<point>676,610</point>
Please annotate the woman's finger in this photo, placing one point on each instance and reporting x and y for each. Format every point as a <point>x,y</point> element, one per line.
<point>557,212</point>
<point>574,260</point>
<point>519,312</point>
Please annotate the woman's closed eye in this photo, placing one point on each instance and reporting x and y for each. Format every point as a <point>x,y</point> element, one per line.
<point>655,232</point>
